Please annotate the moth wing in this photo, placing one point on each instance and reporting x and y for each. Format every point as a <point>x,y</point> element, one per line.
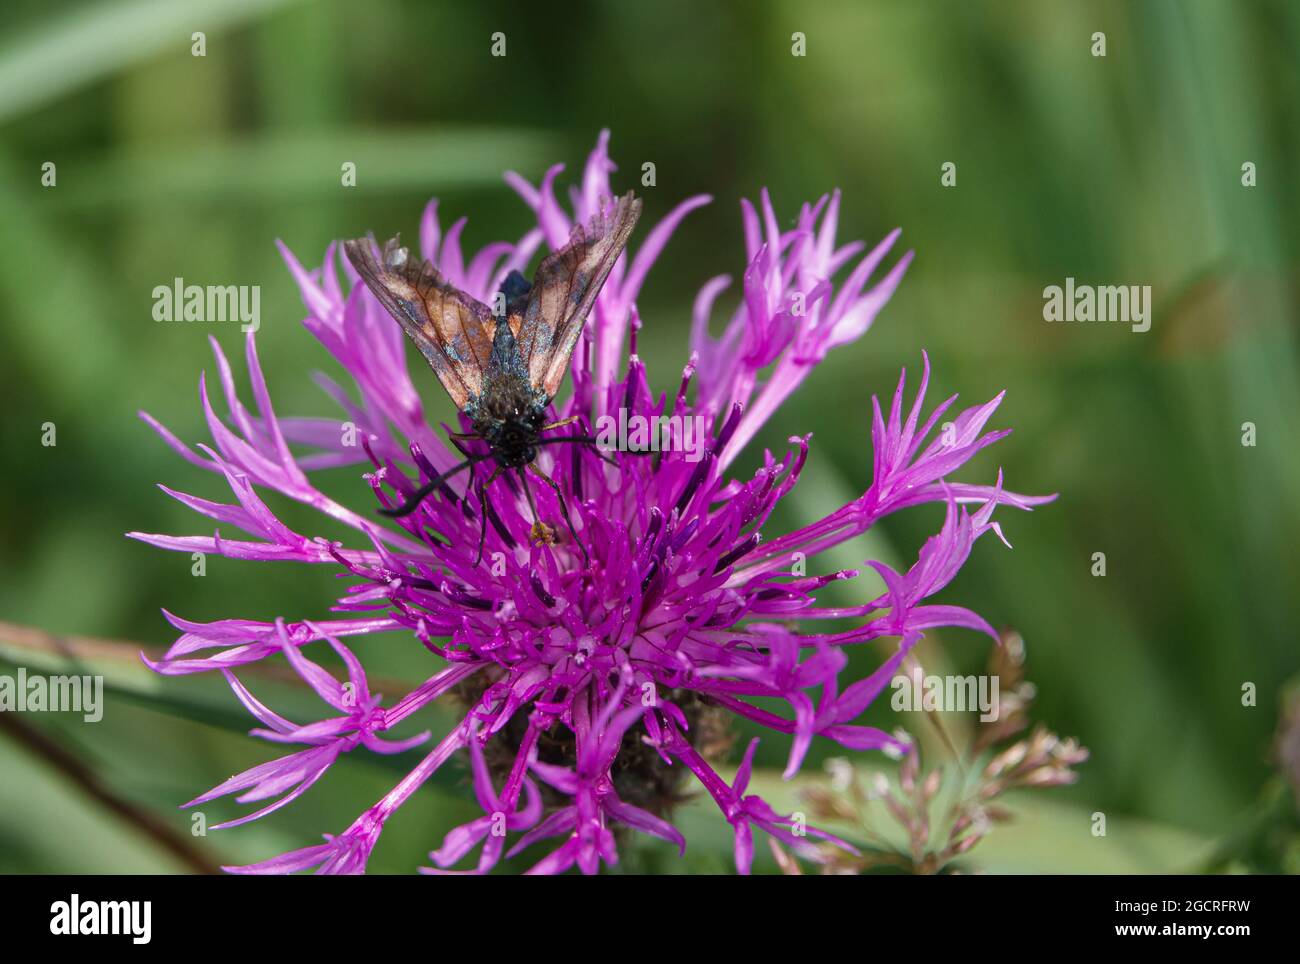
<point>452,330</point>
<point>565,288</point>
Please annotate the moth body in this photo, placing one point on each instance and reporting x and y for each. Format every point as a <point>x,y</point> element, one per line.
<point>501,368</point>
<point>509,413</point>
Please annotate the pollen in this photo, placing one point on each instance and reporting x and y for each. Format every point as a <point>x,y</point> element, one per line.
<point>542,534</point>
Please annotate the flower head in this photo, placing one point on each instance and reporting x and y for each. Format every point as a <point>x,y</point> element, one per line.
<point>594,680</point>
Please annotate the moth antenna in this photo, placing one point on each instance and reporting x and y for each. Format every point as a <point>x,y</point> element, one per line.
<point>593,442</point>
<point>420,494</point>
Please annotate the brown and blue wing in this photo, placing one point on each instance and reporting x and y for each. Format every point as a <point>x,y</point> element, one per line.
<point>565,288</point>
<point>451,329</point>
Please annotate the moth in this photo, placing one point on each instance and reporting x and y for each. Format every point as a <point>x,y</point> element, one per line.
<point>501,369</point>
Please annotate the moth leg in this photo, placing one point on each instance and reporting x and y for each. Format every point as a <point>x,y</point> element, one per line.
<point>587,439</point>
<point>482,530</point>
<point>540,531</point>
<point>458,440</point>
<point>483,514</point>
<point>562,422</point>
<point>564,508</point>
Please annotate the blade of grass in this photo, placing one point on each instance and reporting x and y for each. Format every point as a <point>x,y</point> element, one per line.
<point>91,42</point>
<point>304,164</point>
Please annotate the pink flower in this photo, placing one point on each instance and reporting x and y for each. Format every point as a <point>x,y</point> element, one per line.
<point>587,687</point>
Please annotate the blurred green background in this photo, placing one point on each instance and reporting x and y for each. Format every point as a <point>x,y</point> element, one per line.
<point>1117,170</point>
